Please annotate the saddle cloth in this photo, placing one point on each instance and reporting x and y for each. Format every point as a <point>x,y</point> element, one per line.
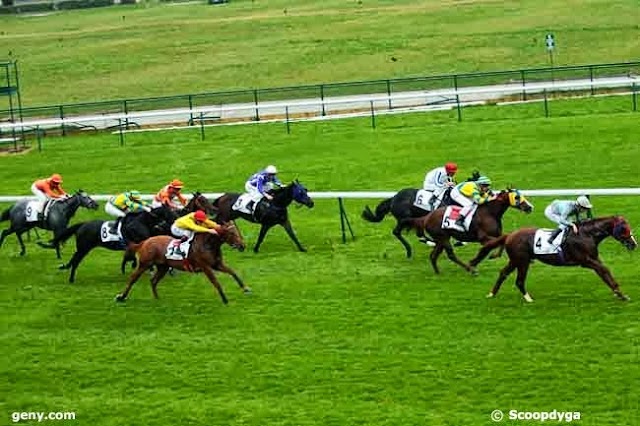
<point>177,250</point>
<point>451,215</point>
<point>541,244</point>
<point>107,236</point>
<point>422,200</point>
<point>241,204</point>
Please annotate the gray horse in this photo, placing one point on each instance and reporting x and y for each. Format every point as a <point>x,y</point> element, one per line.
<point>57,218</point>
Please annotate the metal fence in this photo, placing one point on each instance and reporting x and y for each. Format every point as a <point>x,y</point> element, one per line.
<point>388,88</point>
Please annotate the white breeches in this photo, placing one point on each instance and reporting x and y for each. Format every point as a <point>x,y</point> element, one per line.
<point>253,192</point>
<point>179,232</point>
<point>548,212</point>
<point>42,197</point>
<point>466,203</point>
<point>113,210</point>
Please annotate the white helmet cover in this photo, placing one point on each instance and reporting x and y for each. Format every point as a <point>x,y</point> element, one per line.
<point>583,201</point>
<point>271,169</point>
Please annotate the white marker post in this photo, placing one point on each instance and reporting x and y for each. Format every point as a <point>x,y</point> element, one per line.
<point>551,44</point>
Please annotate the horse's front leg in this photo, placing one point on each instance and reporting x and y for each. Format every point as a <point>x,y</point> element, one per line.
<point>212,278</point>
<point>220,266</point>
<point>287,227</point>
<point>604,273</point>
<point>263,231</point>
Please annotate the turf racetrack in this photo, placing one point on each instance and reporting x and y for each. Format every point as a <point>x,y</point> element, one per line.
<point>344,334</point>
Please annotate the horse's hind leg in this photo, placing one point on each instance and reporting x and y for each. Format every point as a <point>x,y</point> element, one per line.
<point>160,273</point>
<point>224,268</point>
<point>6,233</point>
<point>128,256</point>
<point>23,249</point>
<point>132,280</point>
<point>74,263</point>
<point>397,232</point>
<point>504,273</point>
<point>520,279</point>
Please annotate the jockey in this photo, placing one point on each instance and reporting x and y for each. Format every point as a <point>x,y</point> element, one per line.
<point>438,180</point>
<point>49,188</point>
<point>560,210</point>
<point>260,183</point>
<point>187,226</point>
<point>467,194</point>
<point>167,194</point>
<point>127,202</point>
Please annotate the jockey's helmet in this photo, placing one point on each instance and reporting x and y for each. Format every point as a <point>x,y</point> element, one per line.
<point>584,202</point>
<point>56,178</point>
<point>135,195</point>
<point>451,168</point>
<point>271,169</point>
<point>483,180</point>
<point>176,184</point>
<point>200,216</point>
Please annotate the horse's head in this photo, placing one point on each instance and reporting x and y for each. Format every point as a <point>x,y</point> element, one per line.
<point>162,217</point>
<point>231,235</point>
<point>200,202</point>
<point>85,200</point>
<point>300,194</point>
<point>621,231</point>
<point>515,199</point>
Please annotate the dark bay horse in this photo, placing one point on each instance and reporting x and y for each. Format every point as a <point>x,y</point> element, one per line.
<point>401,206</point>
<point>204,255</point>
<point>579,249</point>
<point>57,220</point>
<point>485,225</point>
<point>267,213</point>
<point>135,228</point>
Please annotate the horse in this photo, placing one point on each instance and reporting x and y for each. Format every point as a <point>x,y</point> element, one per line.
<point>135,227</point>
<point>267,213</point>
<point>485,225</point>
<point>577,249</point>
<point>204,255</point>
<point>59,214</point>
<point>198,202</point>
<point>402,206</point>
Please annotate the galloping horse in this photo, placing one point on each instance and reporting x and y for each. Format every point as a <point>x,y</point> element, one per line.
<point>485,225</point>
<point>135,228</point>
<point>579,249</point>
<point>267,213</point>
<point>204,255</point>
<point>60,213</point>
<point>401,206</point>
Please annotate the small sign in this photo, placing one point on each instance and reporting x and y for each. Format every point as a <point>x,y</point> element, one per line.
<point>550,42</point>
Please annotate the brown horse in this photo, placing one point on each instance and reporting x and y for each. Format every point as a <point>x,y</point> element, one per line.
<point>485,225</point>
<point>204,255</point>
<point>579,249</point>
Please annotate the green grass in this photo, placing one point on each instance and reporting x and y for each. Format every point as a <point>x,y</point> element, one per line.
<point>344,334</point>
<point>159,49</point>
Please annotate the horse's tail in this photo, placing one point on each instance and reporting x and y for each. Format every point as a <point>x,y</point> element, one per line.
<point>134,247</point>
<point>496,242</point>
<point>416,223</point>
<point>5,215</point>
<point>67,233</point>
<point>381,211</point>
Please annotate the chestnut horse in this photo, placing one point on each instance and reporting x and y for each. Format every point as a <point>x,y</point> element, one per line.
<point>204,255</point>
<point>579,249</point>
<point>485,225</point>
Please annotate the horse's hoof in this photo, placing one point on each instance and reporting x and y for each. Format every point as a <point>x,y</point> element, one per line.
<point>473,271</point>
<point>490,295</point>
<point>304,250</point>
<point>22,253</point>
<point>247,290</point>
<point>622,297</point>
<point>528,298</point>
<point>63,266</point>
<point>119,298</point>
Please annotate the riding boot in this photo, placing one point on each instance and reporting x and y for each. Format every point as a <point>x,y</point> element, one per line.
<point>250,205</point>
<point>113,227</point>
<point>460,221</point>
<point>554,234</point>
